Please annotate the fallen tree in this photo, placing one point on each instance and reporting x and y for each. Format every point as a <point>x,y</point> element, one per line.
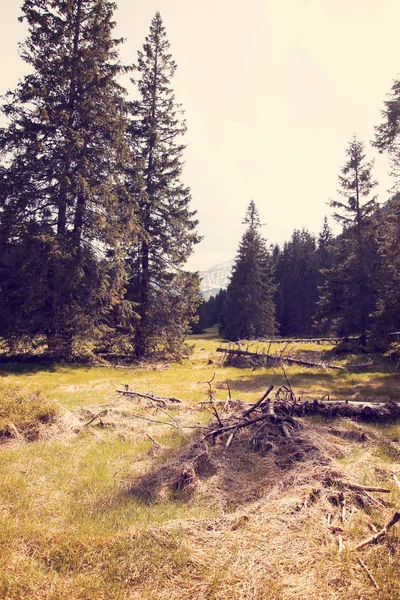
<point>264,358</point>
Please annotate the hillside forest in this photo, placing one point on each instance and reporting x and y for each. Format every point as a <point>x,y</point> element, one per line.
<point>96,225</point>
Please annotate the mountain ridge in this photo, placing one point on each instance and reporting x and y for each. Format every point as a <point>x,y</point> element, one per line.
<point>215,278</point>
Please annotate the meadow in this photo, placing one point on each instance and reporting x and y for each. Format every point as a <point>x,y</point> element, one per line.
<point>87,510</point>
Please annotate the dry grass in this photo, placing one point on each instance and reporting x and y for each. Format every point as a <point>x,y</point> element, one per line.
<point>24,414</point>
<point>94,511</point>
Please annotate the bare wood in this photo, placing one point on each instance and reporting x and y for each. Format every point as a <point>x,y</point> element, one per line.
<point>340,540</point>
<point>329,518</point>
<point>375,538</point>
<point>149,396</point>
<point>376,500</point>
<point>100,414</point>
<point>217,415</point>
<point>372,528</point>
<point>295,361</point>
<point>366,488</point>
<point>156,444</point>
<point>230,428</point>
<point>230,438</point>
<point>174,425</point>
<point>368,572</point>
<point>257,404</point>
<point>343,514</point>
<point>271,409</point>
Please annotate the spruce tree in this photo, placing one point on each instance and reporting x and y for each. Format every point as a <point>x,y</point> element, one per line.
<point>62,155</point>
<point>297,273</point>
<point>157,277</point>
<point>387,139</point>
<point>349,292</point>
<point>249,310</point>
<point>387,315</point>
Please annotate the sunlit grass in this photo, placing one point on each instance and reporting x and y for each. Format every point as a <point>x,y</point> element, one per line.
<point>70,528</point>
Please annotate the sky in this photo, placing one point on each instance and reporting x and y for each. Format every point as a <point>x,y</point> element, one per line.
<point>273,92</point>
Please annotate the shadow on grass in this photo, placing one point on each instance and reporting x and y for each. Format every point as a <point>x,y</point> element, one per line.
<point>311,383</point>
<point>34,366</point>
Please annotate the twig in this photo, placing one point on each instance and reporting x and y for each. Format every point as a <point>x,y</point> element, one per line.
<point>340,539</point>
<point>368,572</point>
<point>230,438</point>
<point>229,389</point>
<point>162,399</point>
<point>217,415</point>
<point>376,500</point>
<point>100,414</point>
<point>257,404</point>
<point>375,538</point>
<point>230,428</point>
<point>366,488</point>
<point>292,396</point>
<point>167,423</point>
<point>156,444</point>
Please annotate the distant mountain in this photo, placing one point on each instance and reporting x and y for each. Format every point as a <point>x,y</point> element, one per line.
<point>215,278</point>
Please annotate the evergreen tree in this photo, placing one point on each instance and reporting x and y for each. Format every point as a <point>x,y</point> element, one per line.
<point>62,210</point>
<point>349,292</point>
<point>387,134</point>
<point>156,263</point>
<point>387,139</point>
<point>249,310</point>
<point>324,245</point>
<point>297,274</point>
<point>387,315</point>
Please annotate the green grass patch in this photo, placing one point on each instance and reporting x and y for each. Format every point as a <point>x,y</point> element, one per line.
<point>23,413</point>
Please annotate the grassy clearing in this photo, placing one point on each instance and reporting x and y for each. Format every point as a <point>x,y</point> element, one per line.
<point>75,522</point>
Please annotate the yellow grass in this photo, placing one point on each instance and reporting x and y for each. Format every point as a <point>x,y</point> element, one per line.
<point>87,512</point>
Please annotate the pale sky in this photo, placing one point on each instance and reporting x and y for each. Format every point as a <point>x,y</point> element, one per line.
<point>273,91</point>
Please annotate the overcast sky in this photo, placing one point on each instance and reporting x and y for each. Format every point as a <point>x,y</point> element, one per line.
<point>273,92</point>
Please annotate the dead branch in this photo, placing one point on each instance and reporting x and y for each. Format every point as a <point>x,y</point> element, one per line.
<point>156,444</point>
<point>258,403</point>
<point>378,536</point>
<point>288,359</point>
<point>368,572</point>
<point>159,399</point>
<point>174,425</point>
<point>366,488</point>
<point>375,500</point>
<point>100,414</point>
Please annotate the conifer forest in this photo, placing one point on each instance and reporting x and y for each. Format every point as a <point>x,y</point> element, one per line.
<point>96,223</point>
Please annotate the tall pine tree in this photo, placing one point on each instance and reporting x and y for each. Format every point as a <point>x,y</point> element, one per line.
<point>249,310</point>
<point>63,151</point>
<point>164,294</point>
<point>387,315</point>
<point>387,139</point>
<point>349,292</point>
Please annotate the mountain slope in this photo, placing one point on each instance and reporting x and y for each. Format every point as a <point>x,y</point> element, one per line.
<point>215,278</point>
